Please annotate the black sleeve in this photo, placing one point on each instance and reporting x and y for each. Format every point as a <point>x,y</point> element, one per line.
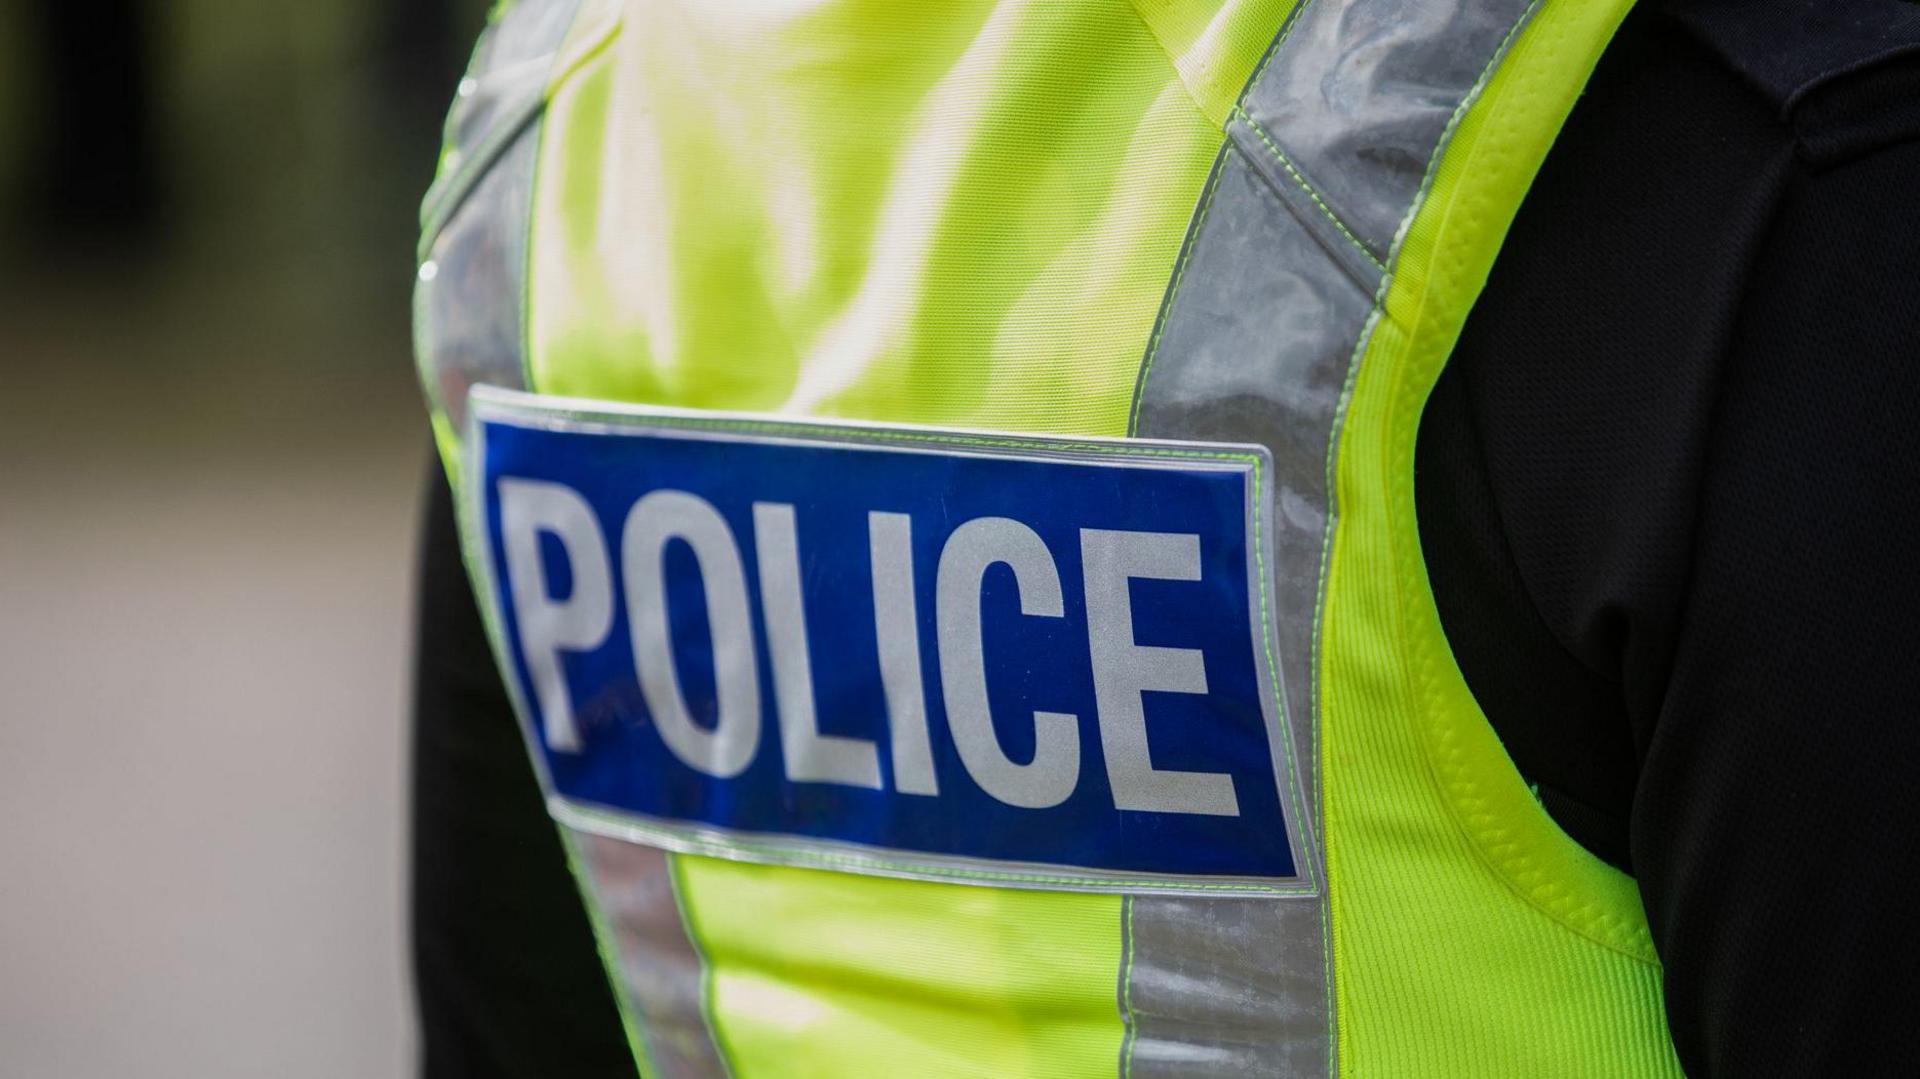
<point>1776,831</point>
<point>507,978</point>
<point>1667,490</point>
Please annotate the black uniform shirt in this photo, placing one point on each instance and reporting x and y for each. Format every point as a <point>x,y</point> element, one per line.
<point>1666,489</point>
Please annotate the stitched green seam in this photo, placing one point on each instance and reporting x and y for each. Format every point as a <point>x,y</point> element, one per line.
<point>1287,163</point>
<point>1153,351</point>
<point>1173,291</point>
<point>1293,20</point>
<point>1320,610</point>
<point>1511,866</point>
<point>1295,802</point>
<point>1366,337</point>
<point>1346,396</point>
<point>1459,113</point>
<point>1320,851</point>
<point>1192,239</point>
<point>804,859</point>
<point>1126,992</point>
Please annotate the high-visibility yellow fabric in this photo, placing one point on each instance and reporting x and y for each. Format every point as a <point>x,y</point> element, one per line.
<point>962,212</point>
<point>967,213</point>
<point>816,973</point>
<point>1471,935</point>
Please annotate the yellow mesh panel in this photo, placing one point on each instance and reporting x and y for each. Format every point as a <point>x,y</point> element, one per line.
<point>1471,936</point>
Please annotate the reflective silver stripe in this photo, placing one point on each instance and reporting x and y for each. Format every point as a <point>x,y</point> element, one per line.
<point>468,301</point>
<point>1362,94</point>
<point>660,970</point>
<point>1327,156</point>
<point>469,311</point>
<point>504,89</point>
<point>1225,987</point>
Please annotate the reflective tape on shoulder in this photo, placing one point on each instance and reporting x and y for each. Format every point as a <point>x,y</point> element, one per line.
<point>468,296</point>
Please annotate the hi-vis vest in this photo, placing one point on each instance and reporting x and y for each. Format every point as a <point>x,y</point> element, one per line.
<point>939,480</point>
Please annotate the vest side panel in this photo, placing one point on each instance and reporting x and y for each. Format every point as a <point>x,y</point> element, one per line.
<point>1471,935</point>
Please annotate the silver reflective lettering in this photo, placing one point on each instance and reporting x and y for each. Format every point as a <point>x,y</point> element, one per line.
<point>1122,670</point>
<point>810,756</point>
<point>896,627</point>
<point>549,626</point>
<point>656,520</point>
<point>1050,777</point>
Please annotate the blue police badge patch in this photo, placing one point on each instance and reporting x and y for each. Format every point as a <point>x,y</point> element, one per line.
<point>1002,659</point>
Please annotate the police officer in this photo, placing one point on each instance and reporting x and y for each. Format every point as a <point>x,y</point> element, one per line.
<point>1182,539</point>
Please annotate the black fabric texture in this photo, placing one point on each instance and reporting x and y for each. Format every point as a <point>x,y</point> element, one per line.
<point>1666,488</point>
<point>1788,48</point>
<point>506,975</point>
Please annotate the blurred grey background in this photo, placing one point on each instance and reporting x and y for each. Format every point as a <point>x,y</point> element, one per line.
<point>210,454</point>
